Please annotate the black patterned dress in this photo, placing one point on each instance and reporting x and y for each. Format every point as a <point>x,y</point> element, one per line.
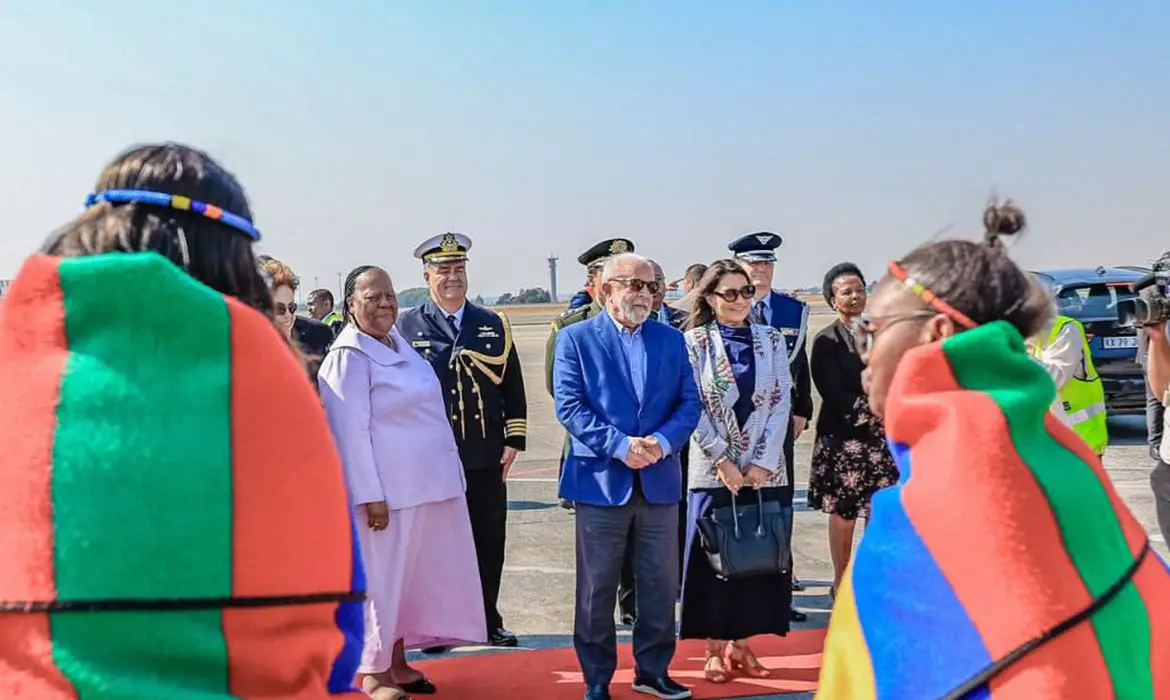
<point>850,460</point>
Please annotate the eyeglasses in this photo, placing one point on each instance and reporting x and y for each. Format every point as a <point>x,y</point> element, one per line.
<point>734,295</point>
<point>638,285</point>
<point>866,329</point>
<point>282,309</point>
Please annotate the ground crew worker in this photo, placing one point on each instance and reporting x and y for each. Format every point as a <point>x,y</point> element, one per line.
<point>1063,350</point>
<point>472,351</point>
<point>321,309</point>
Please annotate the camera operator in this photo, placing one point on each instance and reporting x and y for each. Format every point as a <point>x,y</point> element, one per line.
<point>1154,354</point>
<point>1154,408</point>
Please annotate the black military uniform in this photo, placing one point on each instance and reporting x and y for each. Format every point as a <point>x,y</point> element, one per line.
<point>789,315</point>
<point>472,352</point>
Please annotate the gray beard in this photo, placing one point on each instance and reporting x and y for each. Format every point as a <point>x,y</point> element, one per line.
<point>633,314</point>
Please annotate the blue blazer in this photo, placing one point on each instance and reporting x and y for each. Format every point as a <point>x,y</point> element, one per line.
<point>596,403</point>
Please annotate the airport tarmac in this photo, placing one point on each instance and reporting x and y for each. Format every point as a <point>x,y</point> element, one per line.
<point>537,592</point>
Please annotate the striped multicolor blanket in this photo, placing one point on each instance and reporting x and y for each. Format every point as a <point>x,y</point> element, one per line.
<point>165,469</point>
<point>1002,526</point>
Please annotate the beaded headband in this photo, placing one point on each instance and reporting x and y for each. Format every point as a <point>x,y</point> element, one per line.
<point>930,297</point>
<point>174,201</point>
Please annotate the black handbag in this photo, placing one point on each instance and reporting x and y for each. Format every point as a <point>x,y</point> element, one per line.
<point>746,540</point>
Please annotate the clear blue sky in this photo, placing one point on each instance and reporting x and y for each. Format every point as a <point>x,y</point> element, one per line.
<point>856,129</point>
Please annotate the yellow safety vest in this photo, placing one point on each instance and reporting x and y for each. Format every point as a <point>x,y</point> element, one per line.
<point>1083,399</point>
<point>332,318</point>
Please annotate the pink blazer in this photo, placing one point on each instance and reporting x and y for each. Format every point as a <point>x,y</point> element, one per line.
<point>386,409</point>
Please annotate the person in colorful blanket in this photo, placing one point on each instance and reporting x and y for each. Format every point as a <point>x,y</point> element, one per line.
<point>173,517</point>
<point>1003,564</point>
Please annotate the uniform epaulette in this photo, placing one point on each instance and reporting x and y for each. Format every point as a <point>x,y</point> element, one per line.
<point>568,314</point>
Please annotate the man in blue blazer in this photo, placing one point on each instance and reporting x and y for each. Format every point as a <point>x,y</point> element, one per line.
<point>625,394</point>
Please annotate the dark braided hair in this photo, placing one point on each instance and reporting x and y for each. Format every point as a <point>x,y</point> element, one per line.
<point>979,279</point>
<point>350,287</point>
<point>213,253</point>
<point>836,272</point>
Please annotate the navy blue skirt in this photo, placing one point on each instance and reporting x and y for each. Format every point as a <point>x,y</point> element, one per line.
<point>735,609</point>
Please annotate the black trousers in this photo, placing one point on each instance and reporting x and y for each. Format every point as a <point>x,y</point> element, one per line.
<point>788,492</point>
<point>487,504</point>
<point>626,604</point>
<point>1160,476</point>
<point>1154,413</point>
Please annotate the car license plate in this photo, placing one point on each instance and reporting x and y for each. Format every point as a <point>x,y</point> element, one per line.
<point>1124,342</point>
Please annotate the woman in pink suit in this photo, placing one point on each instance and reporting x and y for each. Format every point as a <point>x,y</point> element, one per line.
<point>385,407</point>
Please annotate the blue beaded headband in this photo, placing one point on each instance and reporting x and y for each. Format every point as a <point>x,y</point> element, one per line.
<point>174,201</point>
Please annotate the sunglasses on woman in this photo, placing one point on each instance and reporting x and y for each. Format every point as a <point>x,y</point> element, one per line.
<point>282,309</point>
<point>734,295</point>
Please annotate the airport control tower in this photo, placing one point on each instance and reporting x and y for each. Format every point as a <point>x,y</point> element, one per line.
<point>552,277</point>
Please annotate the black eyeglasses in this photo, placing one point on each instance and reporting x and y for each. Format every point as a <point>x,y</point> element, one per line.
<point>733,295</point>
<point>282,309</point>
<point>638,284</point>
<point>866,332</point>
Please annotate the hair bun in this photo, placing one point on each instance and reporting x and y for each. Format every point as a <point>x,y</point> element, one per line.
<point>1002,220</point>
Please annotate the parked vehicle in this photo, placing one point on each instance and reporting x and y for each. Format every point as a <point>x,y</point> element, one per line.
<point>1090,296</point>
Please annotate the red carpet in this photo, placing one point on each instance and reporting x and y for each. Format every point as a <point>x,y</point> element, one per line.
<point>553,674</point>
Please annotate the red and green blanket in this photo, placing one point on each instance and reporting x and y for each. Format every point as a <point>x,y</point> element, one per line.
<point>1002,525</point>
<point>160,443</point>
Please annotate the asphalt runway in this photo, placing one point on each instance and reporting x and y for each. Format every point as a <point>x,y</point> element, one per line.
<point>537,593</point>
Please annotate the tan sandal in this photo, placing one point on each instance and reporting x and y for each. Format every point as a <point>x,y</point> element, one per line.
<point>714,670</point>
<point>377,689</point>
<point>739,657</point>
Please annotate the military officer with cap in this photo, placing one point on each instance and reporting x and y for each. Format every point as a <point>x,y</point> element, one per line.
<point>472,350</point>
<point>593,260</point>
<point>757,253</point>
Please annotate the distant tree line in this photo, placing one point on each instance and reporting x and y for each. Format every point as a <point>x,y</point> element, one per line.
<point>535,295</point>
<point>415,296</point>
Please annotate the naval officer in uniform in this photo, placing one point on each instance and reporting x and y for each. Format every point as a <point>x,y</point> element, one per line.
<point>472,350</point>
<point>757,253</point>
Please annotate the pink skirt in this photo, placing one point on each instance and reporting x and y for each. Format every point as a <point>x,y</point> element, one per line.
<point>422,581</point>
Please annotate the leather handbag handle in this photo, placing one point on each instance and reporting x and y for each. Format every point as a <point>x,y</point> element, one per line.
<point>759,513</point>
<point>734,515</point>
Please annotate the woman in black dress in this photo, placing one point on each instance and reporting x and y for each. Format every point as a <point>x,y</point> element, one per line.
<point>850,461</point>
<point>741,370</point>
